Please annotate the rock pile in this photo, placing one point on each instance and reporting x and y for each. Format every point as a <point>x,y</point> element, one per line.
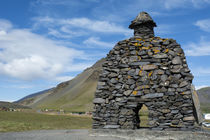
<point>145,70</point>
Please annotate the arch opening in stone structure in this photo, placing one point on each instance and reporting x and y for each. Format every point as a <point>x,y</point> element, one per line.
<point>149,70</point>
<point>143,115</point>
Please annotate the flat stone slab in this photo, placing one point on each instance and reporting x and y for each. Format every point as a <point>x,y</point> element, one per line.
<point>105,134</point>
<point>196,104</point>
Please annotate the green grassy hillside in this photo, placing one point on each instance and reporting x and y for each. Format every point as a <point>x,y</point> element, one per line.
<point>75,95</point>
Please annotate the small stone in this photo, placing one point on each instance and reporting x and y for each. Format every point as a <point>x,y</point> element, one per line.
<point>159,72</point>
<point>127,92</point>
<point>175,122</point>
<point>190,118</point>
<point>101,83</point>
<point>118,86</point>
<point>142,53</point>
<point>113,75</point>
<point>167,42</point>
<point>130,81</point>
<point>152,95</point>
<point>98,101</point>
<point>123,66</point>
<point>165,110</point>
<point>118,99</point>
<point>163,77</point>
<point>162,118</point>
<point>139,63</point>
<point>113,81</point>
<point>131,72</point>
<point>137,72</point>
<point>149,67</point>
<point>133,52</point>
<point>133,58</point>
<point>176,60</point>
<point>124,60</point>
<point>160,56</point>
<point>183,84</point>
<point>174,111</point>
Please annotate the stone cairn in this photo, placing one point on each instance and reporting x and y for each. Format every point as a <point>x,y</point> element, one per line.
<point>145,70</point>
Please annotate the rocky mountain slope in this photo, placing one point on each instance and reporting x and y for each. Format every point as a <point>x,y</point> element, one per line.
<point>204,97</point>
<point>74,95</point>
<point>12,105</point>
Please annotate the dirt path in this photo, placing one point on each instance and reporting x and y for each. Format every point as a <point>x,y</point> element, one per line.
<point>104,135</point>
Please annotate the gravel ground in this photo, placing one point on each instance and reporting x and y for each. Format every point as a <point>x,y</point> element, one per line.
<point>105,135</point>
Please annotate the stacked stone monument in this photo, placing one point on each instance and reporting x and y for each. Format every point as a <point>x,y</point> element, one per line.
<point>145,70</point>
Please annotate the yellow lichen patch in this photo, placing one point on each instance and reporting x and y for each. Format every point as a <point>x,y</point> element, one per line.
<point>134,92</point>
<point>138,88</point>
<point>117,79</point>
<point>135,44</point>
<point>145,86</point>
<point>145,48</point>
<point>139,57</point>
<point>130,43</point>
<point>139,39</point>
<point>182,93</point>
<point>172,125</point>
<point>150,74</point>
<point>140,72</point>
<point>166,50</point>
<point>156,51</point>
<point>129,77</point>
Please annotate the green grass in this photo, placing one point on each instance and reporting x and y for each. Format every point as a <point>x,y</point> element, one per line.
<point>23,121</point>
<point>143,115</point>
<point>205,108</point>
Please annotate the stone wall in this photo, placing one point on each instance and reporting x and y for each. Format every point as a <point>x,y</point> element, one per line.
<point>145,70</point>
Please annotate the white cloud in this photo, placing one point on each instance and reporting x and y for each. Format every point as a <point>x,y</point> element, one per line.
<point>63,78</point>
<point>95,42</point>
<point>171,4</point>
<point>201,71</point>
<point>204,24</point>
<point>28,56</point>
<point>199,87</point>
<point>5,25</point>
<point>95,25</point>
<point>201,48</point>
<point>72,26</point>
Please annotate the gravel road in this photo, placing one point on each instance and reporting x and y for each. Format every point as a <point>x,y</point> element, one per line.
<point>104,135</point>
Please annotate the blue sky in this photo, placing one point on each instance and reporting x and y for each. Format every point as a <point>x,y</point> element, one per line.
<point>45,42</point>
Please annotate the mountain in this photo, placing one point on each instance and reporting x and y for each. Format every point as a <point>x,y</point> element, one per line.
<point>12,105</point>
<point>30,98</point>
<point>204,97</point>
<point>74,95</point>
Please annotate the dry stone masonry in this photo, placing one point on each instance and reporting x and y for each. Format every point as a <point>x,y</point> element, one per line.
<point>145,70</point>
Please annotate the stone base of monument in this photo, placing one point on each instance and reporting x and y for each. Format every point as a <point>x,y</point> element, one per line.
<point>145,134</point>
